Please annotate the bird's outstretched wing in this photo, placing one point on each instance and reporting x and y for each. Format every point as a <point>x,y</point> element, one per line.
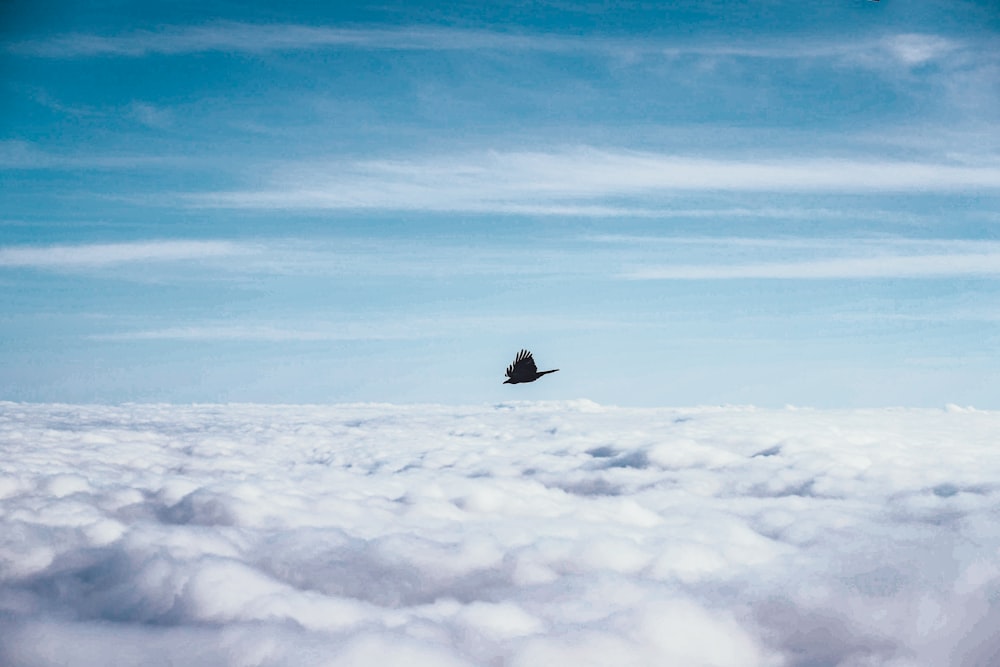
<point>523,366</point>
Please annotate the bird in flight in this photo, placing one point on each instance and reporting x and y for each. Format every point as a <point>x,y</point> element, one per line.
<point>524,369</point>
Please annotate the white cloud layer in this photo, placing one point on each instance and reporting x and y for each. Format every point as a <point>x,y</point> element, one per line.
<point>519,534</point>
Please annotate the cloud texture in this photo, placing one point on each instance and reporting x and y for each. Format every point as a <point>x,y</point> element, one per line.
<point>517,534</point>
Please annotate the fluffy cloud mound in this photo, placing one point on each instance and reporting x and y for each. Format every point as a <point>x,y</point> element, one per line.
<point>519,534</point>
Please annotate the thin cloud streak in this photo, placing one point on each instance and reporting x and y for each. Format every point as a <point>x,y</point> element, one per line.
<point>272,334</point>
<point>890,257</point>
<point>850,268</point>
<point>371,256</point>
<point>107,254</point>
<point>22,155</point>
<point>906,49</point>
<point>882,246</point>
<point>256,38</point>
<point>538,182</point>
<point>351,329</point>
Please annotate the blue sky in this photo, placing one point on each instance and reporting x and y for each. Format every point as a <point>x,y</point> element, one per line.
<point>674,203</point>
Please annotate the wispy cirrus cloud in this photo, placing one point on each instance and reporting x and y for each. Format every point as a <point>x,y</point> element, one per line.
<point>917,49</point>
<point>355,256</point>
<point>150,115</point>
<point>257,38</point>
<point>538,182</point>
<point>109,254</point>
<point>873,245</point>
<point>842,268</point>
<point>347,328</point>
<point>907,49</point>
<point>23,155</point>
<point>791,258</point>
<point>254,333</point>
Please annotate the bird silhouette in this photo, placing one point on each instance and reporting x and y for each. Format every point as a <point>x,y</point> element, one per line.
<point>524,369</point>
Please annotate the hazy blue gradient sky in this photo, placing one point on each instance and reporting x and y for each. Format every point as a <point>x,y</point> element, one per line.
<point>674,203</point>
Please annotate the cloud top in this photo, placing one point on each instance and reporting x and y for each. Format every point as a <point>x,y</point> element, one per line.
<point>520,533</point>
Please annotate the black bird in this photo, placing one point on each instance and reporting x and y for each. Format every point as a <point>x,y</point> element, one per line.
<point>524,369</point>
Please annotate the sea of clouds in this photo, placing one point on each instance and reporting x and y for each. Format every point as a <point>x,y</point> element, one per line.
<point>520,534</point>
